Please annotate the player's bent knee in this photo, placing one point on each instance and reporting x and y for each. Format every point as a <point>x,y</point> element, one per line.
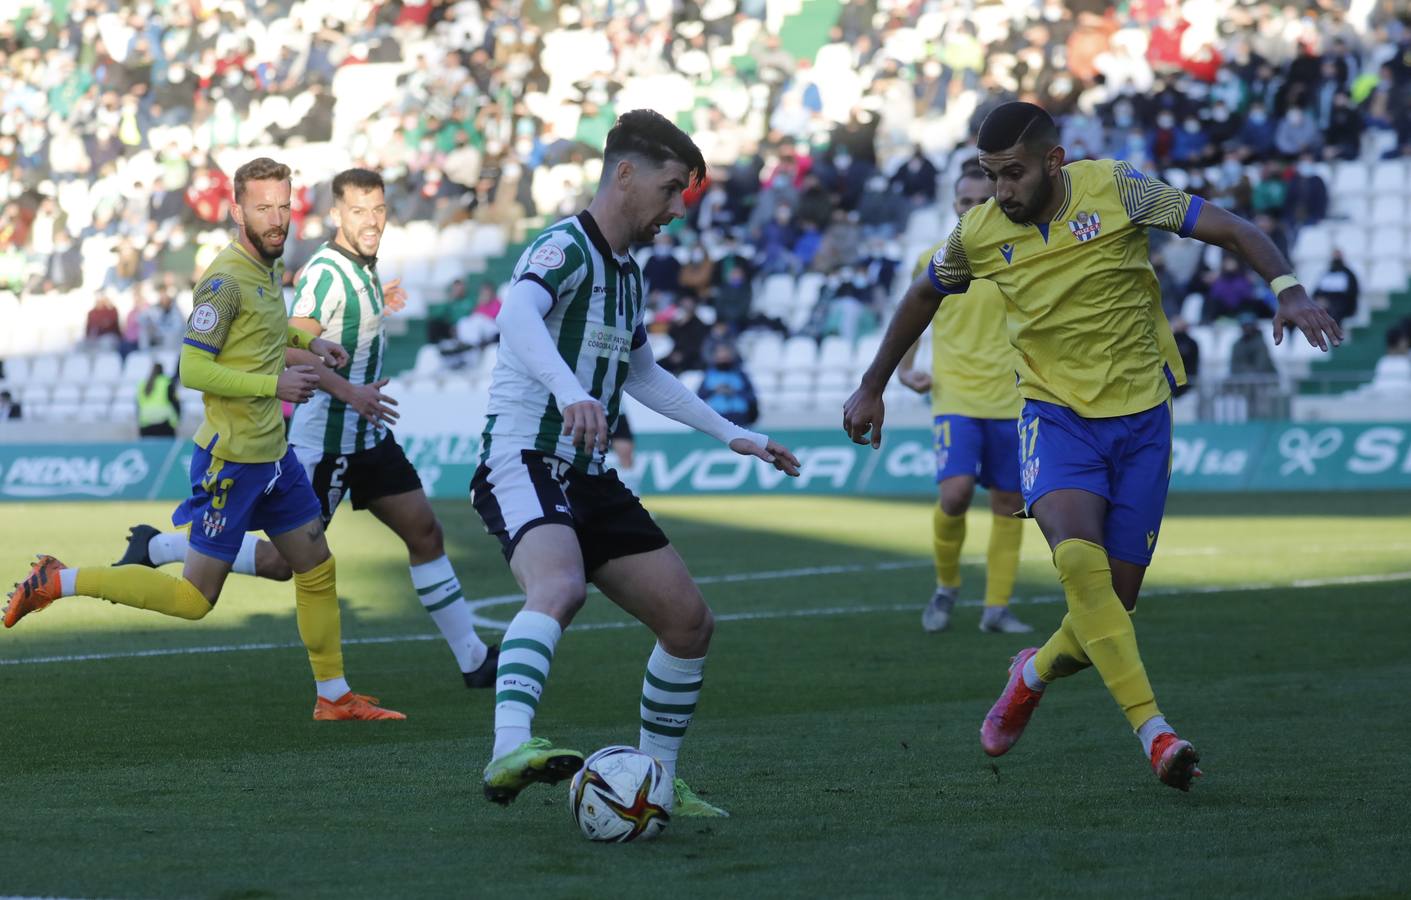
<point>560,598</point>
<point>956,495</point>
<point>427,541</point>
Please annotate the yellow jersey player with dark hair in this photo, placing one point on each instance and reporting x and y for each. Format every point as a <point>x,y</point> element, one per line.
<point>1067,247</point>
<point>244,477</point>
<point>976,410</point>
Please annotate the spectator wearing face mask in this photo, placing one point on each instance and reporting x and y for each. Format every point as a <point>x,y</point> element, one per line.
<point>1296,134</point>
<point>1256,136</point>
<point>727,389</point>
<point>662,271</point>
<point>1343,133</point>
<point>1307,193</point>
<point>1190,145</point>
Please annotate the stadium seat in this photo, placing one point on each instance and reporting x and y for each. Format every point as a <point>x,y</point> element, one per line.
<point>122,410</point>
<point>692,379</point>
<point>1388,177</point>
<point>428,360</point>
<point>835,353</point>
<point>1350,178</point>
<point>44,370</point>
<point>776,298</point>
<point>136,367</point>
<point>1387,244</point>
<point>107,366</point>
<point>92,412</point>
<point>17,370</point>
<point>1348,237</point>
<point>809,287</point>
<point>76,368</point>
<point>1387,277</point>
<point>33,394</point>
<point>800,353</point>
<point>835,380</point>
<point>457,384</point>
<point>865,350</point>
<point>1388,209</point>
<point>98,392</point>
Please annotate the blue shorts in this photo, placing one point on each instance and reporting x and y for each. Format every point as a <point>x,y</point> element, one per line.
<point>1124,459</point>
<point>228,499</point>
<point>984,449</point>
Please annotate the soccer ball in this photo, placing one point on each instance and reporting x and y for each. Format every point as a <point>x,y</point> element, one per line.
<point>621,794</point>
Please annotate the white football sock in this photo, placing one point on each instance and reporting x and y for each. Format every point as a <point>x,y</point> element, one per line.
<point>245,559</point>
<point>525,655</point>
<point>669,693</point>
<point>440,592</point>
<point>167,547</point>
<point>1031,676</point>
<point>67,579</point>
<point>333,688</point>
<point>1152,729</point>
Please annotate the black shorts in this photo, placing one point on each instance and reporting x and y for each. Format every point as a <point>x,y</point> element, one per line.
<point>622,430</point>
<point>516,490</point>
<point>382,471</point>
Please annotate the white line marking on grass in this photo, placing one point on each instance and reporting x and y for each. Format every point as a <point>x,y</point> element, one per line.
<point>759,615</point>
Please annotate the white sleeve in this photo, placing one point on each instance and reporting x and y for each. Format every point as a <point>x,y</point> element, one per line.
<point>522,330</point>
<point>659,390</point>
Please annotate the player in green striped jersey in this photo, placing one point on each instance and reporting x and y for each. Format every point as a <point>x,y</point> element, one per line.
<point>341,434</point>
<point>571,341</point>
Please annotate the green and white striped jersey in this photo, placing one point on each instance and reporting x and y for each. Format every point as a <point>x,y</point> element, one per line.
<point>342,293</point>
<point>596,320</point>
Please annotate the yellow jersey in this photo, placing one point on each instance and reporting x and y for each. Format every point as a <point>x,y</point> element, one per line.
<point>238,314</point>
<point>972,363</point>
<point>1083,303</point>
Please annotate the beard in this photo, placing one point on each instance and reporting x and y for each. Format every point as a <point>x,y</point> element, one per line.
<point>266,244</point>
<point>352,240</point>
<point>1025,215</point>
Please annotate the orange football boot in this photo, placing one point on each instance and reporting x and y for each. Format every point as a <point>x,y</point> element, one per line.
<point>37,591</point>
<point>1005,721</point>
<point>1173,760</point>
<point>352,706</point>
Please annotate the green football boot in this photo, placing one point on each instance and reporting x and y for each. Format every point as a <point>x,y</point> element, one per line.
<point>535,760</point>
<point>691,806</point>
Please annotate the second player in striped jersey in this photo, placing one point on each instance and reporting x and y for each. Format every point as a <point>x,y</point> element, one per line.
<point>341,435</point>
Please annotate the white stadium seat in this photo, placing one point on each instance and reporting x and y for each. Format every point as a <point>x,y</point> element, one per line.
<point>136,367</point>
<point>1350,178</point>
<point>17,369</point>
<point>44,370</point>
<point>76,368</point>
<point>1388,244</point>
<point>800,352</point>
<point>1388,177</point>
<point>1388,210</point>
<point>107,366</point>
<point>1387,277</point>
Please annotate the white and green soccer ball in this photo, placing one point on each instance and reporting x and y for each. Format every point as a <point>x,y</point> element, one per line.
<point>621,794</point>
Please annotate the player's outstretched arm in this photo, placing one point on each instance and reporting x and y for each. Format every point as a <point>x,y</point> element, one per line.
<point>659,390</point>
<point>366,399</point>
<point>864,411</point>
<point>1240,237</point>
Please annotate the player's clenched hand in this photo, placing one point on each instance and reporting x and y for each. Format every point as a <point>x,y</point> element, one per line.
<point>773,453</point>
<point>296,384</point>
<point>862,413</point>
<point>394,297</point>
<point>372,404</point>
<point>588,424</point>
<point>1297,311</point>
<point>917,380</point>
<point>332,354</point>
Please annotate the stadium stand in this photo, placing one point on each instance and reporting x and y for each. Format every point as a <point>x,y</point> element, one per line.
<point>833,132</point>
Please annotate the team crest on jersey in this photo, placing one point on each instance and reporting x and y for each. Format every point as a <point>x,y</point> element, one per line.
<point>1007,251</point>
<point>547,257</point>
<point>1030,474</point>
<point>213,523</point>
<point>1085,226</point>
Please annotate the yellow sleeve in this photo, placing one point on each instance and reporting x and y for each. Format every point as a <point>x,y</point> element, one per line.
<point>1154,203</point>
<point>215,307</point>
<point>299,338</point>
<point>201,372</point>
<point>950,267</point>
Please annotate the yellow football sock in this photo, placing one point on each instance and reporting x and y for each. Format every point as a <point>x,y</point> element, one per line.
<point>143,588</point>
<point>316,609</point>
<point>1062,655</point>
<point>1002,559</point>
<point>948,534</point>
<point>1103,627</point>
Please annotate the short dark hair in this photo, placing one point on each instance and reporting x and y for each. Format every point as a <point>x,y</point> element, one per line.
<point>646,132</point>
<point>262,169</point>
<point>362,179</point>
<point>969,169</point>
<point>1014,123</point>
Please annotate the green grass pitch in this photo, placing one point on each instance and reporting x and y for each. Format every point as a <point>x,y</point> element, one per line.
<point>842,738</point>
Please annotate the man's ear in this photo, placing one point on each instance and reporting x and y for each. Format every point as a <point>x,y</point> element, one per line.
<point>1054,161</point>
<point>624,172</point>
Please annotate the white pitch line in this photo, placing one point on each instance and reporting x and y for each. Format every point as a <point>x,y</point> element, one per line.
<point>758,615</point>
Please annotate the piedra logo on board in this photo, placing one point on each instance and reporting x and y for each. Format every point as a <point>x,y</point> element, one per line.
<point>59,476</point>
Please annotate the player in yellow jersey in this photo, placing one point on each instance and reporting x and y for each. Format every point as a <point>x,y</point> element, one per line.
<point>976,410</point>
<point>244,477</point>
<point>1067,247</point>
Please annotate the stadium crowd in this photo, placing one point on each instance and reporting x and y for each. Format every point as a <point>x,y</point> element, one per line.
<point>113,117</point>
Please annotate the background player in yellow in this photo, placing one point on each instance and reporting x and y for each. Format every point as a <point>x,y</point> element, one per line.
<point>244,477</point>
<point>1067,247</point>
<point>976,410</point>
